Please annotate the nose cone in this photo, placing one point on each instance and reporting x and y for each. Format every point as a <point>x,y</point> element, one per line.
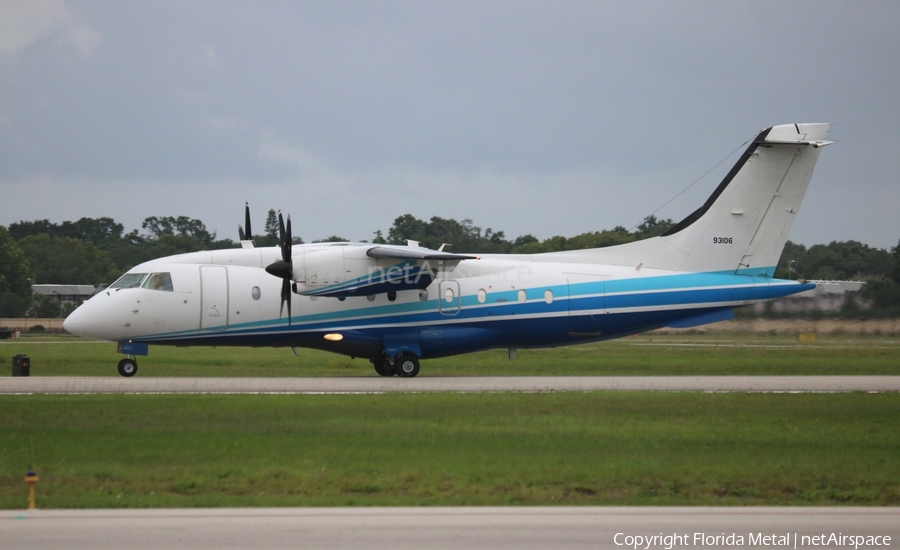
<point>76,322</point>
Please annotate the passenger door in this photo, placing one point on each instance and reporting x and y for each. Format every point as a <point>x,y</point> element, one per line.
<point>214,300</point>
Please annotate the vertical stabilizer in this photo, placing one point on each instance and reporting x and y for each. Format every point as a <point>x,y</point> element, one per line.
<point>745,223</point>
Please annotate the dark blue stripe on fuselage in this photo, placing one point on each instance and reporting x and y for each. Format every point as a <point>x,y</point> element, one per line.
<point>477,326</point>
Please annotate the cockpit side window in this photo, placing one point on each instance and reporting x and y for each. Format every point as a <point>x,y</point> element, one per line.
<point>159,281</point>
<point>129,280</point>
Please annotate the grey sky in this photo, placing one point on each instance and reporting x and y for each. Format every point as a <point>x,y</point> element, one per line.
<point>550,118</point>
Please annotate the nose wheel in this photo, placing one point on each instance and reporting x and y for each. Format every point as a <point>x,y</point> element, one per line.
<point>128,367</point>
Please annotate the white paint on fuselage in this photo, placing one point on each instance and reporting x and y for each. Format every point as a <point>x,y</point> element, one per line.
<point>138,313</point>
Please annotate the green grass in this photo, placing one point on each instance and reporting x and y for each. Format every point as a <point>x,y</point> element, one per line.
<point>684,354</point>
<point>451,449</point>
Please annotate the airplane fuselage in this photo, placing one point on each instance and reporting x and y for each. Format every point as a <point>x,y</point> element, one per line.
<point>225,297</point>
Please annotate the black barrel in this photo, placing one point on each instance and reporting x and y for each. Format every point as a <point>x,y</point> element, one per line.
<point>21,365</point>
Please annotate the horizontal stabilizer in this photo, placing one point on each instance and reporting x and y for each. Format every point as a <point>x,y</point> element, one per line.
<point>703,319</point>
<point>797,134</point>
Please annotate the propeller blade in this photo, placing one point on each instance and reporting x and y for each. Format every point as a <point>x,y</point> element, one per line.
<point>288,241</point>
<point>249,233</point>
<point>281,234</point>
<point>284,267</point>
<point>285,298</point>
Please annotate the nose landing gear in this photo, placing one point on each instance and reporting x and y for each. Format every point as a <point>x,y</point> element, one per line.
<point>128,367</point>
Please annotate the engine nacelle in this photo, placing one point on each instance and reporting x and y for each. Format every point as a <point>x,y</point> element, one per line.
<point>340,270</point>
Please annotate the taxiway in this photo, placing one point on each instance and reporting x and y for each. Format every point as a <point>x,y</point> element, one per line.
<point>526,528</point>
<point>143,385</point>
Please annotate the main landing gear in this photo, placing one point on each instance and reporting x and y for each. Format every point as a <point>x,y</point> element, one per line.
<point>128,366</point>
<point>406,365</point>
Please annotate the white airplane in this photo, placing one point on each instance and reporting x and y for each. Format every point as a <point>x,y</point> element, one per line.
<point>395,305</point>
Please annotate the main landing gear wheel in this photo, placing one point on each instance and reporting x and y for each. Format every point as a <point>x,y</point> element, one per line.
<point>127,367</point>
<point>407,365</point>
<point>383,367</point>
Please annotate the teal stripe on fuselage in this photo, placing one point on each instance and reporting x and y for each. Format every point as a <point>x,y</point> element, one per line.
<point>689,290</point>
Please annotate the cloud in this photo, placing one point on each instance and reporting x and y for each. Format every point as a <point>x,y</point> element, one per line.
<point>561,202</point>
<point>25,23</point>
<point>307,166</point>
<point>524,116</point>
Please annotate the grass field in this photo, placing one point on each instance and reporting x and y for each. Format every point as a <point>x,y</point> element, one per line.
<point>451,449</point>
<point>455,449</point>
<point>728,354</point>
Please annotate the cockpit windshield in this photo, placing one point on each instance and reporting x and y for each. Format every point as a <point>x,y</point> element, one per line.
<point>158,281</point>
<point>129,280</point>
<point>150,281</point>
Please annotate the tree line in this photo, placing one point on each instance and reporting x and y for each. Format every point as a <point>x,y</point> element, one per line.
<point>95,251</point>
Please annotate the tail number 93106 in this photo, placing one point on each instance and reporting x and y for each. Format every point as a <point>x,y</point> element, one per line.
<point>723,240</point>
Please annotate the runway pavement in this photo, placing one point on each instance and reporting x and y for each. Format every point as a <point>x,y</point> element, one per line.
<point>140,385</point>
<point>523,528</point>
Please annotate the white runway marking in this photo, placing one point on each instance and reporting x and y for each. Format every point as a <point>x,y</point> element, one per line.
<point>52,342</point>
<point>468,384</point>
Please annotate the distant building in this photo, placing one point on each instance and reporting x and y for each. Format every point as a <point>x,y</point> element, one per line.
<point>65,294</point>
<point>827,296</point>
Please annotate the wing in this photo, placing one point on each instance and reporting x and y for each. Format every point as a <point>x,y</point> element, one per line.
<point>410,253</point>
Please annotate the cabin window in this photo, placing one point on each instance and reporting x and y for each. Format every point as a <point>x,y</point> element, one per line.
<point>522,296</point>
<point>370,297</point>
<point>255,293</point>
<point>158,281</point>
<point>482,296</point>
<point>548,296</point>
<point>449,295</point>
<point>129,280</point>
<point>423,295</point>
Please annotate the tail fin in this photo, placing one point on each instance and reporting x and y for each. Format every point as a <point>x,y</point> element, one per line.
<point>745,223</point>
